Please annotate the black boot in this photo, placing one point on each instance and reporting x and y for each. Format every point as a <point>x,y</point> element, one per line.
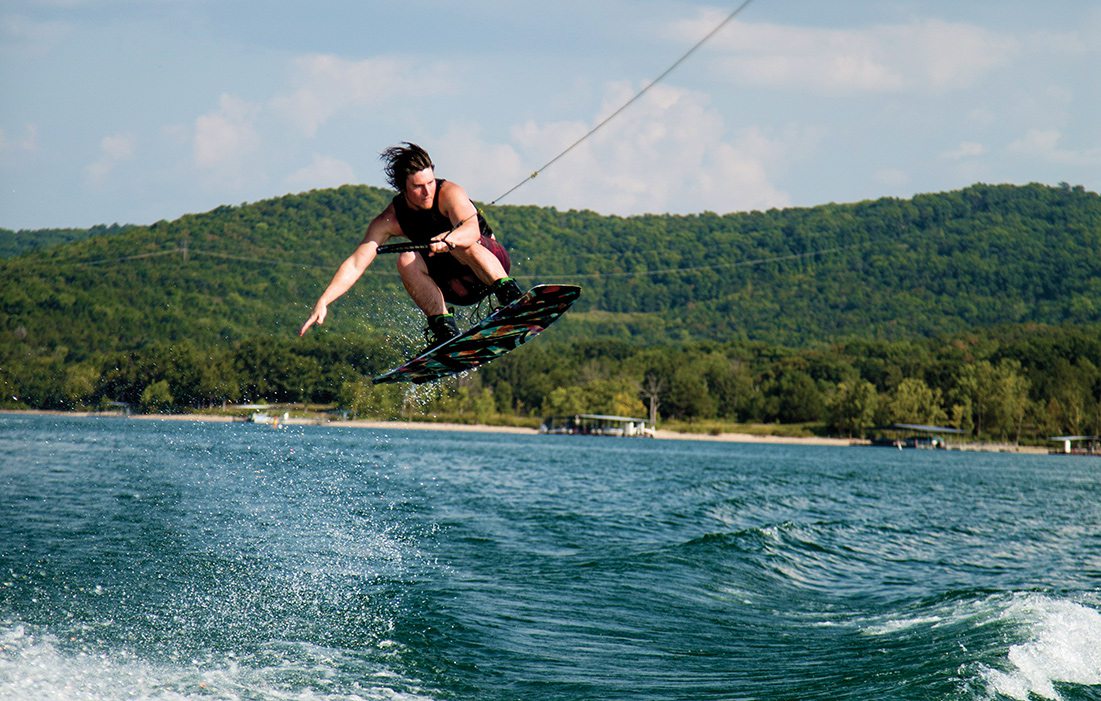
<point>441,328</point>
<point>507,291</point>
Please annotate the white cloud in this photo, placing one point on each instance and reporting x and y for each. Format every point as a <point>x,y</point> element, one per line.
<point>891,177</point>
<point>981,117</point>
<point>928,55</point>
<point>114,149</point>
<point>948,55</point>
<point>226,142</point>
<point>323,171</point>
<point>1037,142</point>
<point>966,149</point>
<point>25,37</point>
<point>325,85</point>
<point>27,143</point>
<point>667,152</point>
<point>118,146</point>
<point>225,138</point>
<point>1046,144</point>
<point>1083,40</point>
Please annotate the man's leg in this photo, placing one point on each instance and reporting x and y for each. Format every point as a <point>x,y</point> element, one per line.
<point>488,260</point>
<point>481,260</point>
<point>419,284</point>
<point>427,295</point>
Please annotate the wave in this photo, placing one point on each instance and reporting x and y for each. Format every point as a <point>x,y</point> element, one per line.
<point>42,666</point>
<point>1021,646</point>
<point>1062,646</point>
<point>1004,644</point>
<point>815,557</point>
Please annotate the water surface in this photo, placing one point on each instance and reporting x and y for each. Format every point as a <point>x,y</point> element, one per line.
<point>169,560</point>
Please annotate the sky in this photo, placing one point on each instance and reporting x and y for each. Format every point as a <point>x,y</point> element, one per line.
<point>134,111</point>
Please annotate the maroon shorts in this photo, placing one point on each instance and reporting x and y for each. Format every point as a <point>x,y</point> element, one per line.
<point>458,282</point>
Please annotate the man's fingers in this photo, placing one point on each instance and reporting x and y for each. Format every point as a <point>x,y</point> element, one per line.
<point>315,318</point>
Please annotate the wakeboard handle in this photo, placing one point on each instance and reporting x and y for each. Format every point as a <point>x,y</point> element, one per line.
<point>403,247</point>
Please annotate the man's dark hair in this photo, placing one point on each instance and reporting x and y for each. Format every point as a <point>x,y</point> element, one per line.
<point>402,161</point>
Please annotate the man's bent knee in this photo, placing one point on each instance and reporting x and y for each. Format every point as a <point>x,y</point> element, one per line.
<point>484,256</point>
<point>411,263</point>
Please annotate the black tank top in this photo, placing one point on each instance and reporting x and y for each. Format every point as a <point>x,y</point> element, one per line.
<point>420,225</point>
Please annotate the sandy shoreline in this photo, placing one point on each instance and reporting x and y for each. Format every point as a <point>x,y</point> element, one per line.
<point>484,428</point>
<point>661,435</point>
<point>753,438</point>
<point>445,426</point>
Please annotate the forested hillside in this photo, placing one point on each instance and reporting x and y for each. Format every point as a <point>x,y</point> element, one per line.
<point>124,309</point>
<point>226,275</point>
<point>14,243</point>
<point>889,269</point>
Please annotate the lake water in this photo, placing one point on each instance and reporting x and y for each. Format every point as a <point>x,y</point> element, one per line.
<point>175,560</point>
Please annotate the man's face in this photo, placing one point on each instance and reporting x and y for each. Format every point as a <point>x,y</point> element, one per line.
<point>420,189</point>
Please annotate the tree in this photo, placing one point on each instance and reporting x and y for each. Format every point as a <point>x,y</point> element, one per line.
<point>650,391</point>
<point>469,399</point>
<point>564,401</point>
<point>913,401</point>
<point>1071,387</point>
<point>800,399</point>
<point>997,395</point>
<point>157,397</point>
<point>364,399</point>
<point>971,394</point>
<point>852,407</point>
<point>688,396</point>
<point>731,384</point>
<point>614,395</point>
<point>80,383</point>
<point>1012,399</point>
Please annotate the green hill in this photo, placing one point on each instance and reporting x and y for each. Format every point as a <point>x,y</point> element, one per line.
<point>750,300</point>
<point>888,268</point>
<point>225,275</point>
<point>14,243</point>
<point>892,269</point>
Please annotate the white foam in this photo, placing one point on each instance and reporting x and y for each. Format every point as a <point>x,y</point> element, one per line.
<point>899,624</point>
<point>41,667</point>
<point>1064,645</point>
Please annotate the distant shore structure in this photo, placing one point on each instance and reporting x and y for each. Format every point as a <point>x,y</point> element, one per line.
<point>1077,445</point>
<point>919,436</point>
<point>597,425</point>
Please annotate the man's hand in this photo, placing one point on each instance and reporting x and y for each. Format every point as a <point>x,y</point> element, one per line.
<point>318,317</point>
<point>440,244</point>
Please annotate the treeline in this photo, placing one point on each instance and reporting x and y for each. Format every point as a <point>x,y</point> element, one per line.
<point>889,269</point>
<point>214,278</point>
<point>1018,383</point>
<point>14,243</point>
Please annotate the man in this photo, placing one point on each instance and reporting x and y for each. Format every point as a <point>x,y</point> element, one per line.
<point>463,264</point>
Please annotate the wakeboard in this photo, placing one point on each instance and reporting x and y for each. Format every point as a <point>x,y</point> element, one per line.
<point>502,331</point>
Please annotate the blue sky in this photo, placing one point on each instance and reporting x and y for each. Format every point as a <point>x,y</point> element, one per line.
<point>132,111</point>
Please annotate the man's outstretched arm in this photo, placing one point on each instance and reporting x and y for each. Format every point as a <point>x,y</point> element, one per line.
<point>353,267</point>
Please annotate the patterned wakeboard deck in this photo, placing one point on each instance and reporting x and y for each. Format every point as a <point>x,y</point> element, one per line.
<point>500,332</point>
